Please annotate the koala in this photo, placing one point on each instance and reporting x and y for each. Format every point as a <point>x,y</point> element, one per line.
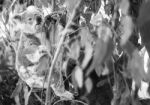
<point>33,58</point>
<point>29,21</point>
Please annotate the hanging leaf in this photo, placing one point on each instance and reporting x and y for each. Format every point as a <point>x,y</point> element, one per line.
<point>88,55</point>
<point>144,24</point>
<point>124,6</point>
<point>74,50</point>
<point>79,76</point>
<point>99,69</point>
<point>136,68</point>
<point>109,67</point>
<point>71,4</point>
<point>86,41</point>
<point>86,36</point>
<point>102,50</point>
<point>99,53</point>
<point>17,100</point>
<point>27,94</point>
<point>105,71</point>
<point>89,85</point>
<point>127,28</point>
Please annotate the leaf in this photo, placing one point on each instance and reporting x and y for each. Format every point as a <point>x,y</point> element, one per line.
<point>71,4</point>
<point>146,62</point>
<point>127,28</point>
<point>63,94</point>
<point>59,88</point>
<point>40,3</point>
<point>144,15</point>
<point>47,10</point>
<point>99,70</point>
<point>96,19</point>
<point>88,55</point>
<point>103,11</point>
<point>86,41</point>
<point>102,50</point>
<point>86,37</point>
<point>17,89</point>
<point>124,6</point>
<point>74,50</point>
<point>17,100</point>
<point>144,24</point>
<point>27,94</point>
<point>79,76</point>
<point>125,96</point>
<point>105,71</point>
<point>88,85</point>
<point>1,79</point>
<point>109,67</point>
<point>136,68</point>
<point>143,91</point>
<point>99,53</point>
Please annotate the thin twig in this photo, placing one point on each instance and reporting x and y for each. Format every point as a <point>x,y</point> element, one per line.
<point>53,5</point>
<point>62,37</point>
<point>38,98</point>
<point>13,3</point>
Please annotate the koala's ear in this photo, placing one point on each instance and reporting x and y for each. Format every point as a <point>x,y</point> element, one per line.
<point>17,18</point>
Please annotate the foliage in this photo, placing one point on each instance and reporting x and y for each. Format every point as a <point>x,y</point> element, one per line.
<point>74,51</point>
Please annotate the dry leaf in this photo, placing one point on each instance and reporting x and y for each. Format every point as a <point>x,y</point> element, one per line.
<point>63,94</point>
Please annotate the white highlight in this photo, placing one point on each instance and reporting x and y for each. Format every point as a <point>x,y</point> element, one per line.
<point>143,93</point>
<point>102,11</point>
<point>146,60</point>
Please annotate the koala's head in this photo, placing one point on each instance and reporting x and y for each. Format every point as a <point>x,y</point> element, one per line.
<point>30,20</point>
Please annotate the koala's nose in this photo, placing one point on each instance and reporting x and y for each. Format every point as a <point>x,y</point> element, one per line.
<point>39,20</point>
